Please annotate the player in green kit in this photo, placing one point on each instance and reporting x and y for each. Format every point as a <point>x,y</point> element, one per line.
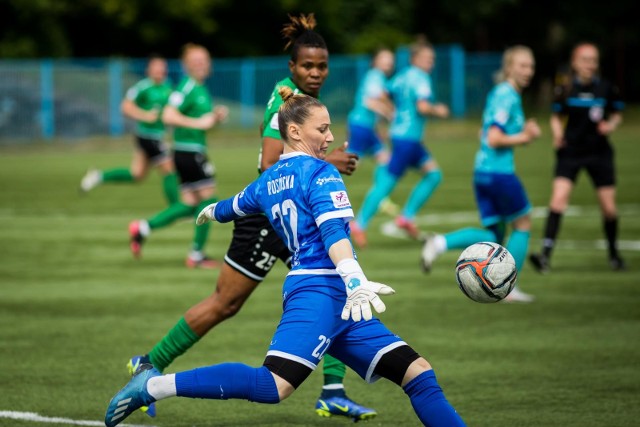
<point>143,103</point>
<point>190,111</point>
<point>255,247</point>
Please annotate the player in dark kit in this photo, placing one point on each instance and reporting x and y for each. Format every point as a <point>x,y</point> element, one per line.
<point>592,109</point>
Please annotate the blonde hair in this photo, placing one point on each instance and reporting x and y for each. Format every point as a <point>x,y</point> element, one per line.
<point>296,108</point>
<point>507,60</point>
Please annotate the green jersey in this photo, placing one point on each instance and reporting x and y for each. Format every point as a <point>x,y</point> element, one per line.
<point>149,95</point>
<point>191,99</point>
<point>270,123</point>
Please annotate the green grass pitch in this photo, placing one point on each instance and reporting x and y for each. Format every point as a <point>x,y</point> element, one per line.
<point>74,305</point>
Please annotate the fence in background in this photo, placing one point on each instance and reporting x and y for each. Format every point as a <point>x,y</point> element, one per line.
<point>81,97</point>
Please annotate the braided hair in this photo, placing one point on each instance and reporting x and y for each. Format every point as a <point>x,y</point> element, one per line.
<point>299,33</point>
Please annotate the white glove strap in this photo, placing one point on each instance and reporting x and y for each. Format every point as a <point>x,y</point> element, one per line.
<point>350,269</point>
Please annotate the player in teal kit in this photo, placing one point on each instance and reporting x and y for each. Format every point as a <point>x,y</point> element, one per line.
<point>326,297</point>
<point>144,103</point>
<point>412,95</point>
<point>370,107</point>
<point>500,196</point>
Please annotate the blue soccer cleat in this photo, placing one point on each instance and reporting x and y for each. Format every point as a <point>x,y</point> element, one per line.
<point>342,405</point>
<point>132,396</point>
<point>132,367</point>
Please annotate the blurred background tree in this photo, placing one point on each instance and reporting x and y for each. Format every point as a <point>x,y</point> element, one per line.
<point>98,28</point>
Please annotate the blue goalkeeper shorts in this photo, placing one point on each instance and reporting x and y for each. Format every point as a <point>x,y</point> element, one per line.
<point>311,327</point>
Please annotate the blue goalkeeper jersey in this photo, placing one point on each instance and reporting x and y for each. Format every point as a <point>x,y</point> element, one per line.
<point>373,85</point>
<point>504,110</point>
<point>297,194</point>
<point>407,88</point>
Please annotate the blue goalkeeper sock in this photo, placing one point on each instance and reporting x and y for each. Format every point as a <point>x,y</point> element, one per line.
<point>460,239</point>
<point>518,244</point>
<point>382,187</point>
<point>429,402</point>
<point>228,381</point>
<point>421,193</point>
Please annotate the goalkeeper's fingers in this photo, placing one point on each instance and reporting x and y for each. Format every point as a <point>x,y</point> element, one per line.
<point>381,289</point>
<point>377,304</point>
<point>346,311</point>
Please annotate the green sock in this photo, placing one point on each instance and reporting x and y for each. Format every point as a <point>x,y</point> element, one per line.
<point>177,341</point>
<point>201,232</point>
<point>170,188</point>
<point>117,175</point>
<point>333,370</point>
<point>170,214</point>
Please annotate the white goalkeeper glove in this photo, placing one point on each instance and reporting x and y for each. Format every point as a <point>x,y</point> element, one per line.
<point>361,293</point>
<point>206,214</point>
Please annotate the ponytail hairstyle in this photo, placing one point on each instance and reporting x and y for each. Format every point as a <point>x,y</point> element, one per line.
<point>295,109</point>
<point>299,33</point>
<point>507,60</point>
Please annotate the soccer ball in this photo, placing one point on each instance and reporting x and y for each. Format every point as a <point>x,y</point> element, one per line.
<point>486,272</point>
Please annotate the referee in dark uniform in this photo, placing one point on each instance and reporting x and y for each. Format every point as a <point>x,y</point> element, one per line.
<point>585,113</point>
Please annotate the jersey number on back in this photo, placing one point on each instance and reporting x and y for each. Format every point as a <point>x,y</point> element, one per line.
<point>287,213</point>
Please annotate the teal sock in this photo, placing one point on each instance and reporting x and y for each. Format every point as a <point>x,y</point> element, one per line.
<point>201,232</point>
<point>518,245</point>
<point>117,175</point>
<point>171,188</point>
<point>170,214</point>
<point>421,193</point>
<point>460,239</point>
<point>382,187</point>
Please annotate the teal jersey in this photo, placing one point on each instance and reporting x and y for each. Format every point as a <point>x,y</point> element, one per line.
<point>407,88</point>
<point>504,110</point>
<point>193,100</point>
<point>373,85</point>
<point>149,95</point>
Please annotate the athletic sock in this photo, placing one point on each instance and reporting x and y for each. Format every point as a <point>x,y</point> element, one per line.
<point>334,372</point>
<point>499,230</point>
<point>228,381</point>
<point>382,187</point>
<point>117,175</point>
<point>611,232</point>
<point>518,245</point>
<point>171,188</point>
<point>170,214</point>
<point>551,232</point>
<point>429,402</point>
<point>421,193</point>
<point>460,239</point>
<point>177,341</point>
<point>201,232</point>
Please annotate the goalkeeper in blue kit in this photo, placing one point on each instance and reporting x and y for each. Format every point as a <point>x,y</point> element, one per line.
<point>327,298</point>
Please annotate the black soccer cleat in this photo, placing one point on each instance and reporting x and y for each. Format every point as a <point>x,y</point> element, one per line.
<point>540,263</point>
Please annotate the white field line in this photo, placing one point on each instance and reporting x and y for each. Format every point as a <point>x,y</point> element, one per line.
<point>471,218</point>
<point>37,418</point>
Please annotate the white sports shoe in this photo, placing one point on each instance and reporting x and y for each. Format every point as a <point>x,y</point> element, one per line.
<point>516,295</point>
<point>90,180</point>
<point>429,252</point>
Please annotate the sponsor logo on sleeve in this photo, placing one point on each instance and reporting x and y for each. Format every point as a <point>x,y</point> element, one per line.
<point>323,181</point>
<point>340,199</point>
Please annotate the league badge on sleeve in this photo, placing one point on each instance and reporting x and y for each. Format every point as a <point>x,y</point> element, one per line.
<point>340,199</point>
